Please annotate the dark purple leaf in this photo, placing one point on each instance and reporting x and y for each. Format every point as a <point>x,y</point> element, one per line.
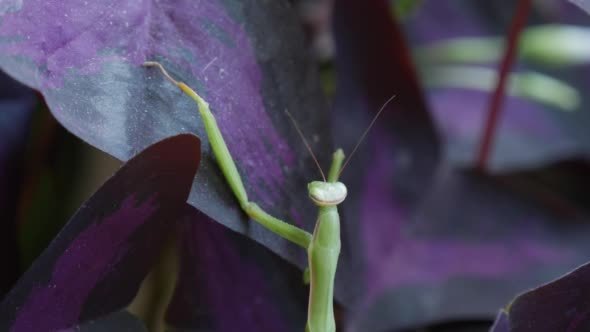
<point>373,64</point>
<point>561,305</point>
<point>528,134</point>
<point>229,283</point>
<point>94,266</point>
<point>86,56</point>
<point>560,186</point>
<point>17,103</point>
<point>471,245</point>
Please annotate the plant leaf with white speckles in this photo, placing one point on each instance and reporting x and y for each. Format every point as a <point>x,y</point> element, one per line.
<point>86,58</point>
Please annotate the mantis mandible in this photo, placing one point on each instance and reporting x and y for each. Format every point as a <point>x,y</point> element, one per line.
<point>323,246</point>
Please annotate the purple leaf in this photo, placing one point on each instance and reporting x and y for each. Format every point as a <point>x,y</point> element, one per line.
<point>528,134</point>
<point>471,245</point>
<point>16,108</point>
<point>369,72</point>
<point>229,283</point>
<point>561,305</point>
<point>94,266</point>
<point>86,57</point>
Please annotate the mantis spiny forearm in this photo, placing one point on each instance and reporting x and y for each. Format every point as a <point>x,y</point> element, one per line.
<point>323,247</point>
<point>231,174</point>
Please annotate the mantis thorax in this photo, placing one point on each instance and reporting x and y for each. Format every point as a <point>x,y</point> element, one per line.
<point>326,193</point>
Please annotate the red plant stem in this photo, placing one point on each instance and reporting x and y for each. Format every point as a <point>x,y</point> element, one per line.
<point>518,22</point>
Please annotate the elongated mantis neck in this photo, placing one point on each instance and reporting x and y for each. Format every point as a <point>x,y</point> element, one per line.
<point>324,249</point>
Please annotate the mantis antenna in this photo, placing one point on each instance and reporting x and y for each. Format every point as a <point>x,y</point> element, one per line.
<point>365,133</point>
<point>306,144</point>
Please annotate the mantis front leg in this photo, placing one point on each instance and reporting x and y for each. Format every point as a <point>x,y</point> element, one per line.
<point>231,174</point>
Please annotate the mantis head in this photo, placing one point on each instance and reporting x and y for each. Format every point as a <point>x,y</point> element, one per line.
<point>326,193</point>
<point>331,192</point>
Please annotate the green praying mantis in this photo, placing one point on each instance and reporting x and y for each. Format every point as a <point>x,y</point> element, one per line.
<point>323,246</point>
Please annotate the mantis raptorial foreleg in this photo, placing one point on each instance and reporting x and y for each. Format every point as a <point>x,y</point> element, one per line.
<point>231,174</point>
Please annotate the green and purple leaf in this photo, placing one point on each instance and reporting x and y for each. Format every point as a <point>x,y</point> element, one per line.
<point>96,263</point>
<point>86,58</point>
<point>561,305</point>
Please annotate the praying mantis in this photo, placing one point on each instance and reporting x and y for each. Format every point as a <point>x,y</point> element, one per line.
<point>323,245</point>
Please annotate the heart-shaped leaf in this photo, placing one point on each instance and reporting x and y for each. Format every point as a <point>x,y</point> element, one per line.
<point>247,60</point>
<point>94,266</point>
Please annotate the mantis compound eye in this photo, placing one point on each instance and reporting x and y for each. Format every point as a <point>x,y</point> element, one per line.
<point>327,193</point>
